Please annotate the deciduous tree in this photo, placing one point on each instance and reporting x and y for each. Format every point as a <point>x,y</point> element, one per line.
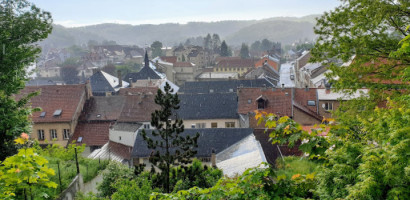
<point>156,49</point>
<point>22,24</point>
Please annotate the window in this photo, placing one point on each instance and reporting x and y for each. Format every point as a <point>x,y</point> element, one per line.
<point>40,134</point>
<point>311,103</point>
<point>328,106</point>
<point>57,112</point>
<point>229,124</point>
<point>211,91</point>
<point>200,125</point>
<point>230,90</point>
<point>53,133</point>
<point>147,126</point>
<point>249,101</point>
<point>214,125</point>
<point>261,104</point>
<point>66,134</point>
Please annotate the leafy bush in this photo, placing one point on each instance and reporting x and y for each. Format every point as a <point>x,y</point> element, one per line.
<point>292,165</point>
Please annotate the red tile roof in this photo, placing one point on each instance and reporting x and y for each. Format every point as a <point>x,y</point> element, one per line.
<point>92,133</point>
<point>278,101</point>
<point>69,98</point>
<point>121,150</point>
<point>138,108</point>
<point>138,91</point>
<point>302,96</point>
<point>170,59</point>
<point>235,62</point>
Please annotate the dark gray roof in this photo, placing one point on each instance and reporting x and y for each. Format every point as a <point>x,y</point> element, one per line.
<point>208,106</point>
<point>143,74</point>
<point>123,126</point>
<point>206,87</point>
<point>217,139</point>
<point>100,84</point>
<point>103,108</point>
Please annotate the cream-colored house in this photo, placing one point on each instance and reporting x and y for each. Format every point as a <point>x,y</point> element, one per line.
<point>61,106</point>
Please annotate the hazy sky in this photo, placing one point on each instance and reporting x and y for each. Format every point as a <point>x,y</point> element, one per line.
<point>86,12</point>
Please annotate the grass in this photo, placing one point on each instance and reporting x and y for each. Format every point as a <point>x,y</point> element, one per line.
<point>295,165</point>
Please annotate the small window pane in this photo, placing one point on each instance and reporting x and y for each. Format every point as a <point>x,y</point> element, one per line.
<point>311,103</point>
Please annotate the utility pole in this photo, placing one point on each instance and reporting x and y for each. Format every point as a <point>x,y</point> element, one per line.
<point>76,160</point>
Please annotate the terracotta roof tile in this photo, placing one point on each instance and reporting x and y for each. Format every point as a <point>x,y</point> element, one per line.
<point>68,98</point>
<point>92,133</point>
<point>138,108</point>
<point>302,96</point>
<point>278,101</point>
<point>121,150</point>
<point>103,108</point>
<point>235,62</point>
<point>170,59</point>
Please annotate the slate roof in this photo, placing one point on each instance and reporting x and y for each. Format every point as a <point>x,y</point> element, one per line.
<point>102,82</point>
<point>208,106</point>
<point>138,108</point>
<point>129,127</point>
<point>145,73</point>
<point>138,91</point>
<point>92,133</point>
<point>217,139</point>
<point>68,98</point>
<point>206,87</point>
<point>99,108</point>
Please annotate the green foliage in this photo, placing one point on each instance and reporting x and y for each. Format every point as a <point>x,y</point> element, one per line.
<point>22,25</point>
<point>292,165</point>
<point>156,49</point>
<point>196,174</point>
<point>244,51</point>
<point>371,31</point>
<point>170,148</point>
<point>138,188</point>
<point>255,183</point>
<point>115,172</point>
<point>25,171</point>
<point>128,67</point>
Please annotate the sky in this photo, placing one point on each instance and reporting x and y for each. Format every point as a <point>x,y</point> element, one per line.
<point>74,13</point>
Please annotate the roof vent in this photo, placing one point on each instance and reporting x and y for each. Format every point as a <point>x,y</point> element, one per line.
<point>57,112</point>
<point>43,114</point>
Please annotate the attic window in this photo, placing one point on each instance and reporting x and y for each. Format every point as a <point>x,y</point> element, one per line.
<point>43,114</point>
<point>57,112</point>
<point>261,103</point>
<point>311,103</point>
<point>211,91</point>
<point>80,140</point>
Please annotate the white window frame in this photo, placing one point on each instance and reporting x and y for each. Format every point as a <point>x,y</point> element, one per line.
<point>328,106</point>
<point>53,134</point>
<point>66,134</point>
<point>40,134</point>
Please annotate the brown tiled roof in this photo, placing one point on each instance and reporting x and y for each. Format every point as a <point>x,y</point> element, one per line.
<point>278,101</point>
<point>138,91</point>
<point>121,150</point>
<point>183,64</point>
<point>68,98</point>
<point>302,96</point>
<point>307,111</point>
<point>93,133</point>
<point>271,150</point>
<point>170,59</point>
<point>102,108</point>
<point>138,108</point>
<point>235,62</point>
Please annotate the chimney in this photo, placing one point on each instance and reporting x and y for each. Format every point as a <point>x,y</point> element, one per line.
<point>283,86</point>
<point>130,81</point>
<point>306,88</point>
<point>213,158</point>
<point>119,78</point>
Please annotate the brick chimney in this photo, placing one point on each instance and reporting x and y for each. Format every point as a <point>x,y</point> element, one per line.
<point>213,158</point>
<point>119,78</point>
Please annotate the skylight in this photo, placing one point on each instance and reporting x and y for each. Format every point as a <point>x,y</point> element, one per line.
<point>80,139</point>
<point>57,112</point>
<point>43,114</point>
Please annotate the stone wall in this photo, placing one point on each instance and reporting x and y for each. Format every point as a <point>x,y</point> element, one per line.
<point>76,185</point>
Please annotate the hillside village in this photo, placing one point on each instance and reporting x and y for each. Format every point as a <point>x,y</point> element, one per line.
<point>219,96</point>
<point>259,107</point>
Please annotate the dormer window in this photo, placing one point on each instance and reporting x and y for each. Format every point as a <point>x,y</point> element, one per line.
<point>262,102</point>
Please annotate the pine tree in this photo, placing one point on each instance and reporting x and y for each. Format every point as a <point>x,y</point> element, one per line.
<point>224,49</point>
<point>244,51</point>
<point>170,148</point>
<point>208,42</point>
